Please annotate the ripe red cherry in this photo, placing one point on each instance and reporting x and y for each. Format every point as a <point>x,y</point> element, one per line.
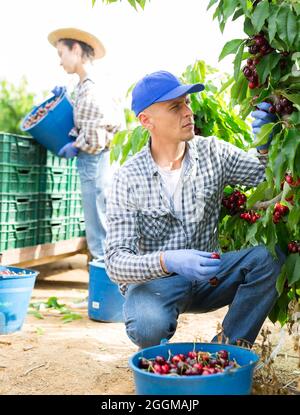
<point>223,354</point>
<point>165,369</point>
<point>157,368</point>
<point>178,358</point>
<point>215,255</point>
<point>192,355</point>
<point>159,359</point>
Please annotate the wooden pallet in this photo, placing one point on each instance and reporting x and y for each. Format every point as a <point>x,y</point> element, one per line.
<point>42,254</point>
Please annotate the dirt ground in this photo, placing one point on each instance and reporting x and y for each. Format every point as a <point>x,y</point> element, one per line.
<point>85,357</point>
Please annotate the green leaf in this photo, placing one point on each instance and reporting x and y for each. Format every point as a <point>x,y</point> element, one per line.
<point>246,6</point>
<point>35,314</point>
<point>251,232</point>
<point>238,61</point>
<point>229,7</point>
<point>279,44</point>
<point>248,27</point>
<point>293,219</point>
<point>271,237</point>
<point>281,280</point>
<point>230,47</point>
<point>297,9</point>
<point>293,268</point>
<point>211,3</point>
<point>297,163</point>
<point>282,21</point>
<point>266,64</point>
<point>53,303</point>
<point>132,3</point>
<point>292,29</point>
<point>239,12</point>
<point>135,139</point>
<point>225,85</point>
<point>260,14</point>
<point>263,136</point>
<point>272,26</point>
<point>69,317</point>
<point>290,145</point>
<point>125,152</point>
<point>141,3</point>
<point>258,195</point>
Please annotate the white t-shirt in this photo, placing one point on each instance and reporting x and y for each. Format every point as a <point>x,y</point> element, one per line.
<point>172,182</point>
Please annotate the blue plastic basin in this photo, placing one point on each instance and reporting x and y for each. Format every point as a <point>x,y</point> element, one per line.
<point>15,294</point>
<point>52,131</point>
<point>236,381</point>
<point>105,300</point>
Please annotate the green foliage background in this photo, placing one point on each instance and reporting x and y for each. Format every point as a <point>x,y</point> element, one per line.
<point>15,102</point>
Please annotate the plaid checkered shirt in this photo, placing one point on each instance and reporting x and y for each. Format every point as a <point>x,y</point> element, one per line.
<point>91,130</point>
<point>140,219</point>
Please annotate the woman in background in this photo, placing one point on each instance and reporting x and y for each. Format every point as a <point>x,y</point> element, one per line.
<point>92,134</point>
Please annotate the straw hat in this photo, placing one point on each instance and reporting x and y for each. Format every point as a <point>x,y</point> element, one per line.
<point>76,34</point>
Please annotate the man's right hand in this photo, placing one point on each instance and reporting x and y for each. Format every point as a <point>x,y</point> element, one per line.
<point>191,263</point>
<point>261,117</point>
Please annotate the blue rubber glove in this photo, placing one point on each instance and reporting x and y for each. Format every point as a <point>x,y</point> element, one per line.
<point>68,151</point>
<point>58,90</point>
<point>191,263</point>
<point>262,116</point>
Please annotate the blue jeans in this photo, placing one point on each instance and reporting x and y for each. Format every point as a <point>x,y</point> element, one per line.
<point>247,280</point>
<point>95,174</point>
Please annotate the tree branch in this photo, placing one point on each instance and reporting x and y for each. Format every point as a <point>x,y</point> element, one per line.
<point>264,205</point>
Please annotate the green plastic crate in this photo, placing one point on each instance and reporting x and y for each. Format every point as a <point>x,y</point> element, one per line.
<point>52,230</point>
<point>74,181</point>
<point>19,149</point>
<point>19,179</point>
<point>76,227</point>
<point>49,159</point>
<point>18,235</point>
<point>18,208</point>
<point>75,208</point>
<point>54,179</point>
<point>53,206</point>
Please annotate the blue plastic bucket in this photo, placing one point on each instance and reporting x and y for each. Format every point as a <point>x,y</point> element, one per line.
<point>237,381</point>
<point>105,300</point>
<point>15,294</point>
<point>52,131</point>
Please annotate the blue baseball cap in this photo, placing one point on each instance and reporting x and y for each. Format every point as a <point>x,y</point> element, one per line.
<point>158,87</point>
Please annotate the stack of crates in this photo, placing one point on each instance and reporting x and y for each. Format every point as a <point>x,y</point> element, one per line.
<point>40,198</point>
<point>19,191</point>
<point>60,208</point>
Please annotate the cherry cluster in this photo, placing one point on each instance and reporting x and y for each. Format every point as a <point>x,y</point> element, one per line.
<point>294,247</point>
<point>258,47</point>
<point>190,364</point>
<point>40,113</point>
<point>250,216</point>
<point>282,106</point>
<point>279,211</point>
<point>235,202</point>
